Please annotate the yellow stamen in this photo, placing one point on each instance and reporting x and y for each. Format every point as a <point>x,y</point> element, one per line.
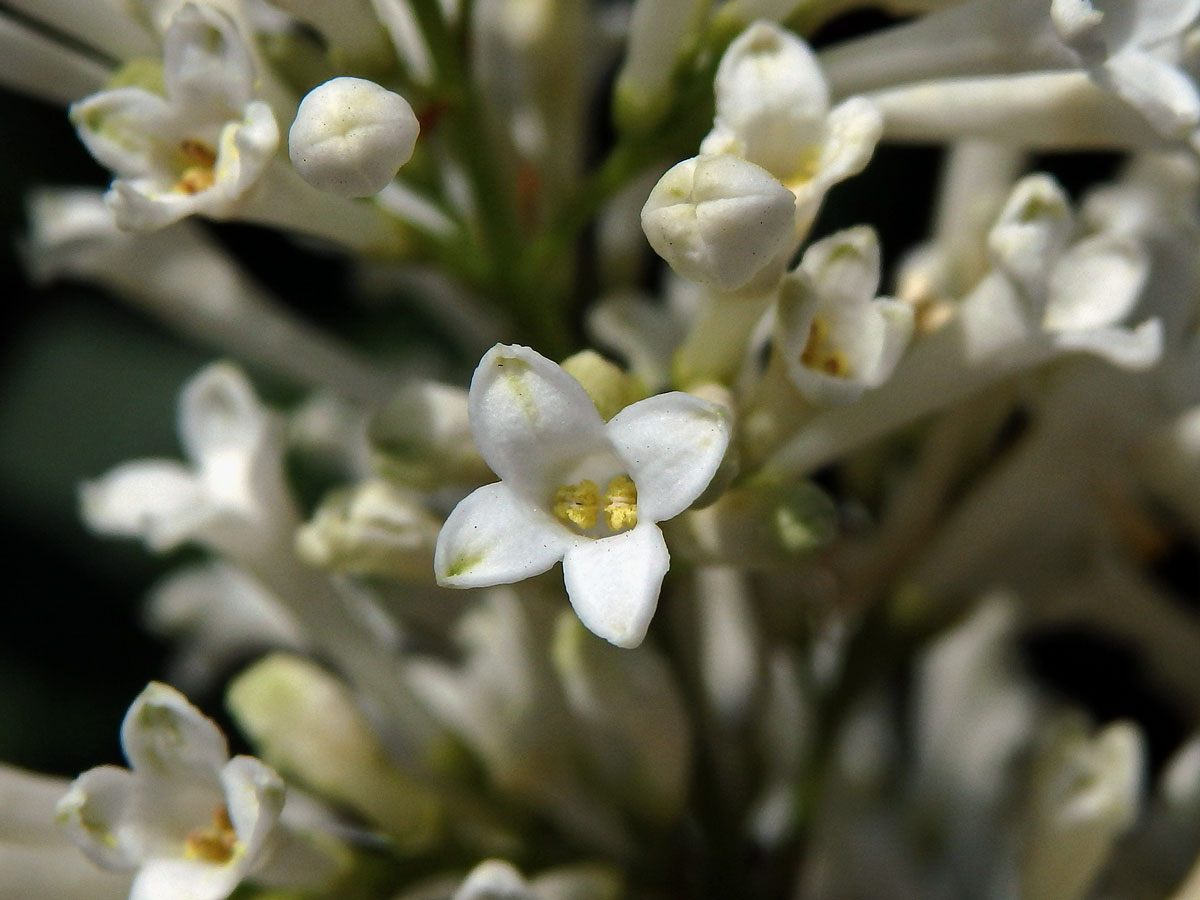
<point>214,844</point>
<point>578,504</point>
<point>819,355</point>
<point>620,503</point>
<point>198,162</point>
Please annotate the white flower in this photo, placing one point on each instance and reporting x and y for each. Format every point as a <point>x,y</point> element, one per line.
<point>577,489</point>
<point>232,498</point>
<point>722,221</point>
<point>191,822</point>
<point>198,149</point>
<point>1116,43</point>
<point>836,340</point>
<point>351,136</point>
<point>773,110</point>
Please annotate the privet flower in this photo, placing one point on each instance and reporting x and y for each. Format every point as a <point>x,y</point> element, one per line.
<point>190,821</point>
<point>231,498</point>
<point>199,146</point>
<point>577,489</point>
<point>835,339</point>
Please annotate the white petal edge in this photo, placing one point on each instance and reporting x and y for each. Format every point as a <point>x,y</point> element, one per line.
<point>672,445</point>
<point>1097,282</point>
<point>97,816</point>
<point>614,583</point>
<point>531,420</point>
<point>1161,92</point>
<point>160,501</point>
<point>493,537</point>
<point>254,797</point>
<point>1136,349</point>
<point>164,735</point>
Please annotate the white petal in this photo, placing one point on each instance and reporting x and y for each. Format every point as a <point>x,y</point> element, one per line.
<point>494,536</point>
<point>614,583</point>
<point>532,422</point>
<point>220,413</point>
<point>1159,20</point>
<point>1135,349</point>
<point>1161,92</point>
<point>98,817</point>
<point>123,128</point>
<point>1030,233</point>
<point>166,878</point>
<point>160,501</point>
<point>254,797</point>
<point>897,331</point>
<point>206,66</point>
<point>844,267</point>
<point>771,98</point>
<point>1097,282</point>
<point>164,735</point>
<point>851,133</point>
<point>245,149</point>
<point>494,879</point>
<point>235,441</point>
<point>672,444</point>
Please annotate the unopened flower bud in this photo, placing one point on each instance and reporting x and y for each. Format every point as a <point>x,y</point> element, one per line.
<point>308,725</point>
<point>722,221</point>
<point>610,388</point>
<point>373,528</point>
<point>351,136</point>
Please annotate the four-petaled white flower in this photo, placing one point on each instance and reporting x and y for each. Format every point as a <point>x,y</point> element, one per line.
<point>188,819</point>
<point>198,149</point>
<point>836,338</point>
<point>577,489</point>
<point>233,498</point>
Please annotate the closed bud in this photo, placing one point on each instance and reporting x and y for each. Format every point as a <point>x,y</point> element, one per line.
<point>373,528</point>
<point>721,221</point>
<point>351,136</point>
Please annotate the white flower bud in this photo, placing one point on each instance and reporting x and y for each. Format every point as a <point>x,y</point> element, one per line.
<point>721,220</point>
<point>351,136</point>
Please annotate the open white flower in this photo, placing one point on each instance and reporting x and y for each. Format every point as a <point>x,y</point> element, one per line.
<point>188,819</point>
<point>233,498</point>
<point>198,149</point>
<point>577,489</point>
<point>836,339</point>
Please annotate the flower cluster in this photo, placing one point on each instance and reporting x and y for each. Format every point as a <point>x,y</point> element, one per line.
<point>820,487</point>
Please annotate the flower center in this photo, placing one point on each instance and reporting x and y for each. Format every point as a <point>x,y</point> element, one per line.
<point>581,504</point>
<point>820,354</point>
<point>197,161</point>
<point>214,844</point>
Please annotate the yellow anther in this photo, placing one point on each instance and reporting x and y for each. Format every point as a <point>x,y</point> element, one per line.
<point>578,504</point>
<point>620,503</point>
<point>197,161</point>
<point>216,843</point>
<point>819,355</point>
